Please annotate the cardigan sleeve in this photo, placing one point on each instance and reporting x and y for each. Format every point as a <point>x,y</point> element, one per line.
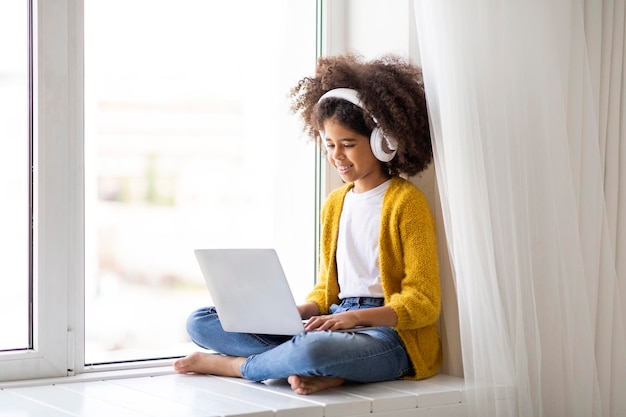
<point>326,291</point>
<point>408,258</point>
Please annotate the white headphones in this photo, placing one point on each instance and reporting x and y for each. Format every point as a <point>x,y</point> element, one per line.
<point>377,136</point>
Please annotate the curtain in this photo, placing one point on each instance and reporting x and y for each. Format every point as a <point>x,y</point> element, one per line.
<point>527,100</point>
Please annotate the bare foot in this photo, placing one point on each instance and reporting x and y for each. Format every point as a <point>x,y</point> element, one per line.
<point>209,363</point>
<point>306,385</point>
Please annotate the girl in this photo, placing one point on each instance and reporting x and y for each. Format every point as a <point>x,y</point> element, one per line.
<point>378,262</point>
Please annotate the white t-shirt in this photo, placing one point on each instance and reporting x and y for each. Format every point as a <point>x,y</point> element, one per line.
<point>357,245</point>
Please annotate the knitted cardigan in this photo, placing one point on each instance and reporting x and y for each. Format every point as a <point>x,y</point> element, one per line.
<point>409,269</point>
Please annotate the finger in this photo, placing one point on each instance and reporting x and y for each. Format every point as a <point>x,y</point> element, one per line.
<point>328,325</point>
<point>312,324</point>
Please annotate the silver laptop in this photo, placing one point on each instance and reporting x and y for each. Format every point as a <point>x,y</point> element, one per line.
<point>250,291</point>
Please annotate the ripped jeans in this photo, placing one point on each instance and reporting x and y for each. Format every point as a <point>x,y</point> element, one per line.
<point>366,356</point>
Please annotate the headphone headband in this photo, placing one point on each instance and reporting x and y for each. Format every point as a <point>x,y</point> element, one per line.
<point>347,94</point>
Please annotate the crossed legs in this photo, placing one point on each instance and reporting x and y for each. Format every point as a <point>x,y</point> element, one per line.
<point>310,362</point>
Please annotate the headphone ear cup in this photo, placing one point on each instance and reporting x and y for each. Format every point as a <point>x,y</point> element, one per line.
<point>383,148</point>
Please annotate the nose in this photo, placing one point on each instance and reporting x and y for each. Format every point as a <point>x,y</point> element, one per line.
<point>336,154</point>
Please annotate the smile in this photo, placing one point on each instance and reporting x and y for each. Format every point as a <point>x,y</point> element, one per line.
<point>343,168</point>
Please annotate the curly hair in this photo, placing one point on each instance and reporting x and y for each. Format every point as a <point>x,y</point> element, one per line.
<point>392,91</point>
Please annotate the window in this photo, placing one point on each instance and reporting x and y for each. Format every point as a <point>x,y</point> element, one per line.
<point>189,143</point>
<point>14,176</point>
<point>149,140</point>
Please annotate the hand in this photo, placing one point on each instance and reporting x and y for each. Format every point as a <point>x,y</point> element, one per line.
<point>332,322</point>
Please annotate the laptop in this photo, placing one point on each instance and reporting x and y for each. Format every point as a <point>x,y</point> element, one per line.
<point>250,291</point>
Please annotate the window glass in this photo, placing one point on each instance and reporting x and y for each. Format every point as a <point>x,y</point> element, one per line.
<point>189,143</point>
<point>14,176</point>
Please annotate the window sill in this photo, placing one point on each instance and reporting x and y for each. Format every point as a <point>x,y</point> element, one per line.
<point>157,391</point>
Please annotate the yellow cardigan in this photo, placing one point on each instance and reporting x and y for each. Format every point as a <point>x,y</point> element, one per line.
<point>409,269</point>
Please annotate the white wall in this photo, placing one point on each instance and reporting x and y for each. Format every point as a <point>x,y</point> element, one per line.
<point>373,28</point>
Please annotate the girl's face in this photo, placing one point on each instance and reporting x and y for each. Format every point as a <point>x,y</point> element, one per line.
<point>350,153</point>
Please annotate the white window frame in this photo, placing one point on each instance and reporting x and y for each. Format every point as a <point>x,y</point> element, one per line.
<point>57,195</point>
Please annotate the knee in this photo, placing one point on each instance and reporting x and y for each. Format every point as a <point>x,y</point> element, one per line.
<point>198,320</point>
<point>316,347</point>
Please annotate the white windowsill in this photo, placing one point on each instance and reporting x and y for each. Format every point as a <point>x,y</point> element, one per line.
<point>100,373</point>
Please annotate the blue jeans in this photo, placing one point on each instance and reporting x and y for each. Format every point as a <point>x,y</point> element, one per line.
<point>367,356</point>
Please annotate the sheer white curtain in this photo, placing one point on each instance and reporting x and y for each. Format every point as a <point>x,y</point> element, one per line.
<point>528,108</point>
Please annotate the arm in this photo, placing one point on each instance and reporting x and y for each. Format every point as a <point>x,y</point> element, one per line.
<point>326,290</point>
<point>410,273</point>
<point>308,310</point>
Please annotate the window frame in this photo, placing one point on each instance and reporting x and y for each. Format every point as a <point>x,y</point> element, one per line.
<point>58,243</point>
